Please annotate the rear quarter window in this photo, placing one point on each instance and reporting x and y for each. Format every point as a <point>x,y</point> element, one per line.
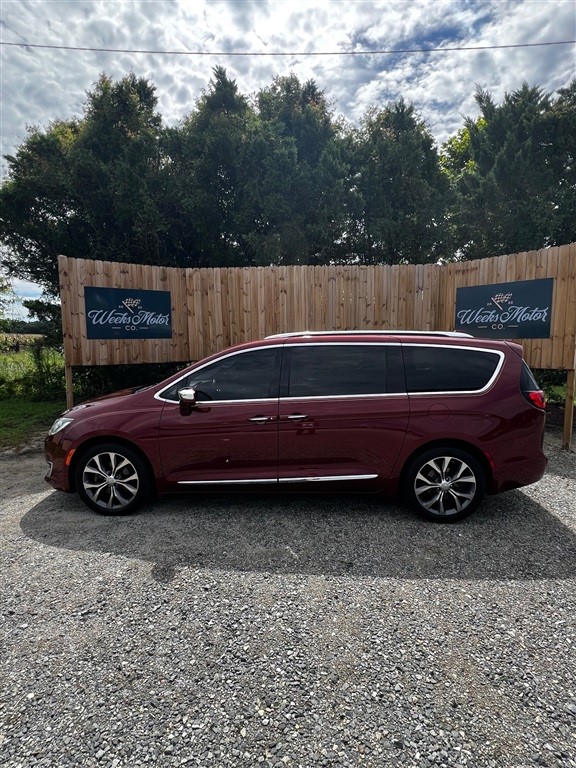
<point>448,369</point>
<point>527,381</point>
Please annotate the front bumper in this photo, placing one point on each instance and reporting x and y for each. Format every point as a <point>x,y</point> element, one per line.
<point>56,449</point>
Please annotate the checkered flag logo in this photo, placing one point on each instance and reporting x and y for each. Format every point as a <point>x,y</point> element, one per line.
<point>500,298</point>
<point>131,304</point>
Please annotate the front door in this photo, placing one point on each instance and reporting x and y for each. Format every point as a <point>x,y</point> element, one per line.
<point>231,435</point>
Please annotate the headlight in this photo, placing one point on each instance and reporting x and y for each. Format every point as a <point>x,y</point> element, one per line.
<point>59,424</point>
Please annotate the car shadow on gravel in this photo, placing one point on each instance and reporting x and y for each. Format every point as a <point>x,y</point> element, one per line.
<point>509,537</point>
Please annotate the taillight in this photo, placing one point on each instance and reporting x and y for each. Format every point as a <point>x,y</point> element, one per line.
<point>529,387</point>
<point>537,398</point>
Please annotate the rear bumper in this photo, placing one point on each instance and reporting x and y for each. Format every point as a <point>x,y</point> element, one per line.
<point>516,465</point>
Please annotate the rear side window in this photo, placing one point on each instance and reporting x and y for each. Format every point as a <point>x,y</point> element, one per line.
<point>448,369</point>
<point>527,381</point>
<point>326,370</point>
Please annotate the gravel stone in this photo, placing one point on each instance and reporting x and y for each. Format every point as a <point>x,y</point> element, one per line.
<point>287,631</point>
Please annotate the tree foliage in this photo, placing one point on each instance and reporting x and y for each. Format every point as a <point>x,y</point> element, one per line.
<point>514,173</point>
<point>87,188</point>
<point>278,179</point>
<point>401,192</point>
<point>6,294</point>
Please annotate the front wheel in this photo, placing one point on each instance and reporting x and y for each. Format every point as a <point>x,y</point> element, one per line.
<point>444,484</point>
<point>112,479</point>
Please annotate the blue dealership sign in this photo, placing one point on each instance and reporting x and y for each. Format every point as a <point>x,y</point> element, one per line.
<point>520,310</point>
<point>125,313</point>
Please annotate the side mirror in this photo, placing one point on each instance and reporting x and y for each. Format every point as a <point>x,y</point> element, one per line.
<point>187,396</point>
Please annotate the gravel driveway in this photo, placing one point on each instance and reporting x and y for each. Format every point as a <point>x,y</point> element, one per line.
<point>287,631</point>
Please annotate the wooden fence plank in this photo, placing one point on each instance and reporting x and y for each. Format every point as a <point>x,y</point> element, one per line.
<point>569,352</point>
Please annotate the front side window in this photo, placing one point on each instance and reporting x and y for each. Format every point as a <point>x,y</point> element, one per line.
<point>445,369</point>
<point>249,375</point>
<point>331,369</point>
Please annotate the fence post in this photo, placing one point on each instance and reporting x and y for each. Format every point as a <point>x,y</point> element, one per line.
<point>69,387</point>
<point>569,410</point>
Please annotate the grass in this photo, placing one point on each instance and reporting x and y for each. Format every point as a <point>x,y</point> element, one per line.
<point>15,365</point>
<point>20,420</point>
<point>31,395</point>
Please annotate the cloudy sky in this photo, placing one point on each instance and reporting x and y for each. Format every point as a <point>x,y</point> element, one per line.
<point>41,84</point>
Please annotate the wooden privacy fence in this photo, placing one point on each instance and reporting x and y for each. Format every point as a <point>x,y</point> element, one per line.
<point>215,308</point>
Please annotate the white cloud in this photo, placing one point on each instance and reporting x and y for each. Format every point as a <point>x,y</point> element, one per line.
<point>40,85</point>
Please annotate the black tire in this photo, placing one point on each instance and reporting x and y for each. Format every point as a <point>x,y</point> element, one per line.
<point>444,484</point>
<point>112,479</point>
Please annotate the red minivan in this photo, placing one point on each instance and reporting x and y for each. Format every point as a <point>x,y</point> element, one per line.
<point>441,417</point>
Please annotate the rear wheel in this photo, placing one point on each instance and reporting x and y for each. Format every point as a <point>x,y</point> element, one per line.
<point>112,479</point>
<point>444,484</point>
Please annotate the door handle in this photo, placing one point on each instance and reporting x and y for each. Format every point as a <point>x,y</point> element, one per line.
<point>297,417</point>
<point>262,419</point>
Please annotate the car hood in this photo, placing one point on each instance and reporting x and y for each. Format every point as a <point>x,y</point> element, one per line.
<point>121,398</point>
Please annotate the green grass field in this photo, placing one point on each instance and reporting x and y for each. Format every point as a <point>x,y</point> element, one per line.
<point>30,392</point>
<point>20,420</point>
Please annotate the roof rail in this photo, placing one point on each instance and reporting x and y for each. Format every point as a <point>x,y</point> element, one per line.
<point>392,332</point>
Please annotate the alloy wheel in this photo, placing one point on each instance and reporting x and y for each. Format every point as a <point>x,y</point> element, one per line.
<point>445,485</point>
<point>110,480</point>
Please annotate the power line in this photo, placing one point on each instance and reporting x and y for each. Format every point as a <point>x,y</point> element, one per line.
<point>290,53</point>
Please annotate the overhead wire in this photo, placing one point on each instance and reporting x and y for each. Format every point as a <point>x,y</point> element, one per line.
<point>379,52</point>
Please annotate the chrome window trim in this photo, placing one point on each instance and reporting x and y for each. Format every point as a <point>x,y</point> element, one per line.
<point>263,481</point>
<point>368,344</point>
<point>158,395</point>
<point>216,403</point>
<point>451,392</point>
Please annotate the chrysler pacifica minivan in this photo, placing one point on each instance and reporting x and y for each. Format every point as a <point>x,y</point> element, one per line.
<point>441,418</point>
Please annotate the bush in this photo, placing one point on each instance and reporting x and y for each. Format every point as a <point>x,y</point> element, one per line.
<point>553,383</point>
<point>36,373</point>
<point>95,381</point>
<point>47,380</point>
<point>33,373</point>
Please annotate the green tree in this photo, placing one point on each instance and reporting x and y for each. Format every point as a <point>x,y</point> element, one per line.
<point>308,225</point>
<point>513,172</point>
<point>88,188</point>
<point>115,172</point>
<point>39,217</point>
<point>400,192</point>
<point>46,315</point>
<point>204,174</point>
<point>6,295</point>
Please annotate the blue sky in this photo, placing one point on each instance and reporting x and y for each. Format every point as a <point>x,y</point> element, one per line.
<point>39,85</point>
